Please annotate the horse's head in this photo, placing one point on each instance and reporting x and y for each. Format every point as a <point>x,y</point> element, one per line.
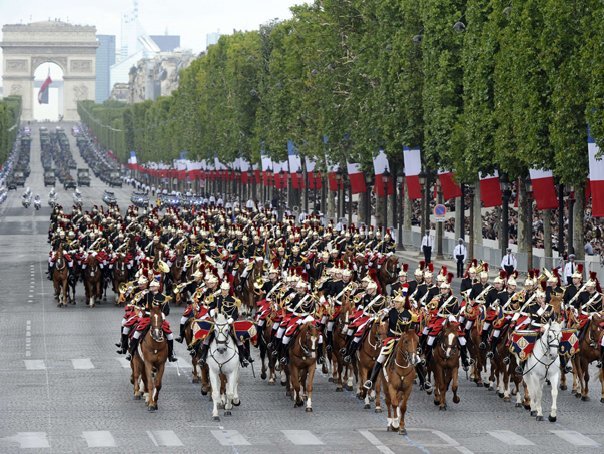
<point>449,338</point>
<point>408,346</point>
<point>596,328</point>
<point>221,332</point>
<point>157,333</point>
<point>309,339</point>
<point>552,334</point>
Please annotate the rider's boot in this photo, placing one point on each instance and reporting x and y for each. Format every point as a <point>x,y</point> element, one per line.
<point>320,358</point>
<point>133,347</point>
<point>345,351</point>
<point>49,272</point>
<point>181,334</point>
<point>601,363</point>
<point>329,340</point>
<point>465,361</point>
<point>248,351</point>
<point>493,351</point>
<point>242,356</point>
<point>284,354</point>
<point>203,354</point>
<point>484,339</point>
<point>354,346</point>
<point>369,384</point>
<point>124,345</point>
<point>171,356</point>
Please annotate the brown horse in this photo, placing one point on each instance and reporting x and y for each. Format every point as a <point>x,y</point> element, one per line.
<point>368,353</point>
<point>93,281</point>
<point>341,372</point>
<point>60,275</point>
<point>397,379</point>
<point>178,265</point>
<point>445,364</point>
<point>120,275</point>
<point>478,355</point>
<point>387,274</point>
<point>503,371</point>
<point>302,365</point>
<point>589,351</point>
<point>267,359</point>
<point>248,296</point>
<point>149,360</point>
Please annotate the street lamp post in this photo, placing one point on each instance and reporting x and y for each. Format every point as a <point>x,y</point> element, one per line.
<point>423,202</point>
<point>339,207</point>
<point>401,247</point>
<point>470,192</point>
<point>571,227</point>
<point>439,225</point>
<point>560,220</point>
<point>506,191</point>
<point>386,181</point>
<point>349,202</point>
<point>529,240</point>
<point>251,182</point>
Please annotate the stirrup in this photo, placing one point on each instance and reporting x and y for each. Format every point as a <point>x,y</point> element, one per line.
<point>172,359</point>
<point>179,339</point>
<point>519,370</point>
<point>284,360</point>
<point>506,360</point>
<point>427,386</point>
<point>568,369</point>
<point>347,359</point>
<point>482,346</point>
<point>368,385</point>
<point>490,355</point>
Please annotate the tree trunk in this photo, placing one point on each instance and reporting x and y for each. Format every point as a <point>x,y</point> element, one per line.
<point>524,223</point>
<point>407,210</point>
<point>331,205</point>
<point>477,221</point>
<point>458,220</point>
<point>547,238</point>
<point>579,234</point>
<point>379,214</point>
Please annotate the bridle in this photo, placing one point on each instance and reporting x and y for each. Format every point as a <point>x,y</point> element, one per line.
<point>157,333</point>
<point>306,350</point>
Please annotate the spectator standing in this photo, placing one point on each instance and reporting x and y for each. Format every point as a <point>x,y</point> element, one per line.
<point>589,250</point>
<point>427,243</point>
<point>509,262</point>
<point>460,253</point>
<point>569,269</point>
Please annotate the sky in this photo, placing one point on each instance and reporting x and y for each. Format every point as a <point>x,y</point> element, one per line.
<point>191,19</point>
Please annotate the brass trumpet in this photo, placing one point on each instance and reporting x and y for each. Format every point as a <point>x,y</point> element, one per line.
<point>126,287</point>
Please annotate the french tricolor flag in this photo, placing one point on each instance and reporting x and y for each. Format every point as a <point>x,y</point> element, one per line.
<point>295,164</point>
<point>132,161</point>
<point>490,190</point>
<point>380,165</point>
<point>544,191</point>
<point>314,178</point>
<point>596,178</point>
<point>357,178</point>
<point>413,167</point>
<point>450,188</point>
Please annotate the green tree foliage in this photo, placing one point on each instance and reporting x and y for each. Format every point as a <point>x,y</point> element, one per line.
<point>10,114</point>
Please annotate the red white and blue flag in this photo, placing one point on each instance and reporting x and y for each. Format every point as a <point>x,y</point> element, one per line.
<point>596,178</point>
<point>544,191</point>
<point>413,167</point>
<point>43,93</point>
<point>357,178</point>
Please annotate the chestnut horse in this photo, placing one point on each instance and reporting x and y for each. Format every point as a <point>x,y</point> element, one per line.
<point>59,278</point>
<point>93,281</point>
<point>341,372</point>
<point>302,365</point>
<point>178,265</point>
<point>387,274</point>
<point>589,351</point>
<point>149,359</point>
<point>120,274</point>
<point>397,379</point>
<point>248,297</point>
<point>445,364</point>
<point>368,352</point>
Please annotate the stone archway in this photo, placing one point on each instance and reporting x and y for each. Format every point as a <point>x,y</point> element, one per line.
<point>72,47</point>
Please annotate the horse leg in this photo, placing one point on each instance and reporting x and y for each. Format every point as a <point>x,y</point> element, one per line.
<point>262,348</point>
<point>309,385</point>
<point>394,403</point>
<point>454,386</point>
<point>553,411</point>
<point>388,405</point>
<point>585,390</point>
<point>403,409</point>
<point>215,383</point>
<point>294,380</point>
<point>602,385</point>
<point>563,386</point>
<point>378,401</point>
<point>338,371</point>
<point>205,380</point>
<point>229,395</point>
<point>349,381</point>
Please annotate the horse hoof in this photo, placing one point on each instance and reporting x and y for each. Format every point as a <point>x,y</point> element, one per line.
<point>456,399</point>
<point>552,418</point>
<point>227,413</point>
<point>500,395</point>
<point>137,397</point>
<point>339,390</point>
<point>442,408</point>
<point>533,413</point>
<point>215,418</point>
<point>507,399</point>
<point>490,388</point>
<point>283,383</point>
<point>298,404</point>
<point>308,409</point>
<point>577,394</point>
<point>151,408</point>
<point>486,385</point>
<point>195,380</point>
<point>602,400</point>
<point>366,406</point>
<point>204,393</point>
<point>539,418</point>
<point>563,387</point>
<point>330,379</point>
<point>518,405</point>
<point>402,431</point>
<point>585,398</point>
<point>349,388</point>
<point>236,404</point>
<point>378,410</point>
<point>263,376</point>
<point>436,402</point>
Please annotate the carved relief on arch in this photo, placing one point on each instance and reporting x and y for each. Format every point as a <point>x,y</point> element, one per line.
<point>16,90</point>
<point>16,65</point>
<point>80,92</point>
<point>38,60</point>
<point>80,66</point>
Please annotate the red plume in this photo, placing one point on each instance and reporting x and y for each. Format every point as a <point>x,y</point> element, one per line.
<point>431,267</point>
<point>449,277</point>
<point>422,265</point>
<point>580,268</point>
<point>443,270</point>
<point>503,274</point>
<point>485,267</point>
<point>405,267</point>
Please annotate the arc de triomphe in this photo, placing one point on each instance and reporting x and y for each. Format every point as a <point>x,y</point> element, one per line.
<point>72,47</point>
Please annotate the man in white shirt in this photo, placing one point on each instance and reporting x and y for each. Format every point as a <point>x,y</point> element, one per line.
<point>250,205</point>
<point>569,269</point>
<point>427,243</point>
<point>509,262</point>
<point>460,253</point>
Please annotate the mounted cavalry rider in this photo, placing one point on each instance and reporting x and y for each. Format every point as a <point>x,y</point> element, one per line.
<point>540,314</point>
<point>187,292</point>
<point>399,319</point>
<point>446,307</point>
<point>492,307</point>
<point>571,298</point>
<point>153,298</point>
<point>266,291</point>
<point>335,301</point>
<point>510,304</point>
<point>227,305</point>
<point>131,312</point>
<point>398,286</point>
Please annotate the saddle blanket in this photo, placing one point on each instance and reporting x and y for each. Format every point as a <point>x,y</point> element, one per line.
<point>523,342</point>
<point>244,330</point>
<point>201,328</point>
<point>569,344</point>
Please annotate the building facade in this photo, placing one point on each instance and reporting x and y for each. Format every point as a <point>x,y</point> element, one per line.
<point>105,58</point>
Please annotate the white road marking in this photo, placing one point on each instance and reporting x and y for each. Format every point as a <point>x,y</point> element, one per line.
<point>510,438</point>
<point>99,439</point>
<point>375,442</point>
<point>83,363</point>
<point>164,438</point>
<point>34,364</point>
<point>574,438</point>
<point>302,437</point>
<point>229,438</point>
<point>31,440</point>
<point>124,362</point>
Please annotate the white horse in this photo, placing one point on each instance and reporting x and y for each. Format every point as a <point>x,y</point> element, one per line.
<point>544,364</point>
<point>223,358</point>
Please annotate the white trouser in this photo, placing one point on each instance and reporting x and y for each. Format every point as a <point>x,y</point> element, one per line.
<point>330,326</point>
<point>261,323</point>
<point>183,320</point>
<point>280,332</point>
<point>462,341</point>
<point>431,340</point>
<point>486,326</point>
<point>275,325</point>
<point>496,333</point>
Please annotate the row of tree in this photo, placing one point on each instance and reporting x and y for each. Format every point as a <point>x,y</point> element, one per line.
<point>10,112</point>
<point>478,85</point>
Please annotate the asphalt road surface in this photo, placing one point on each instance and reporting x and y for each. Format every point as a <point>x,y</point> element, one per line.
<point>64,389</point>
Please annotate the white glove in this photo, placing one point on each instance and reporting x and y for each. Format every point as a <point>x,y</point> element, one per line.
<point>230,321</point>
<point>212,313</point>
